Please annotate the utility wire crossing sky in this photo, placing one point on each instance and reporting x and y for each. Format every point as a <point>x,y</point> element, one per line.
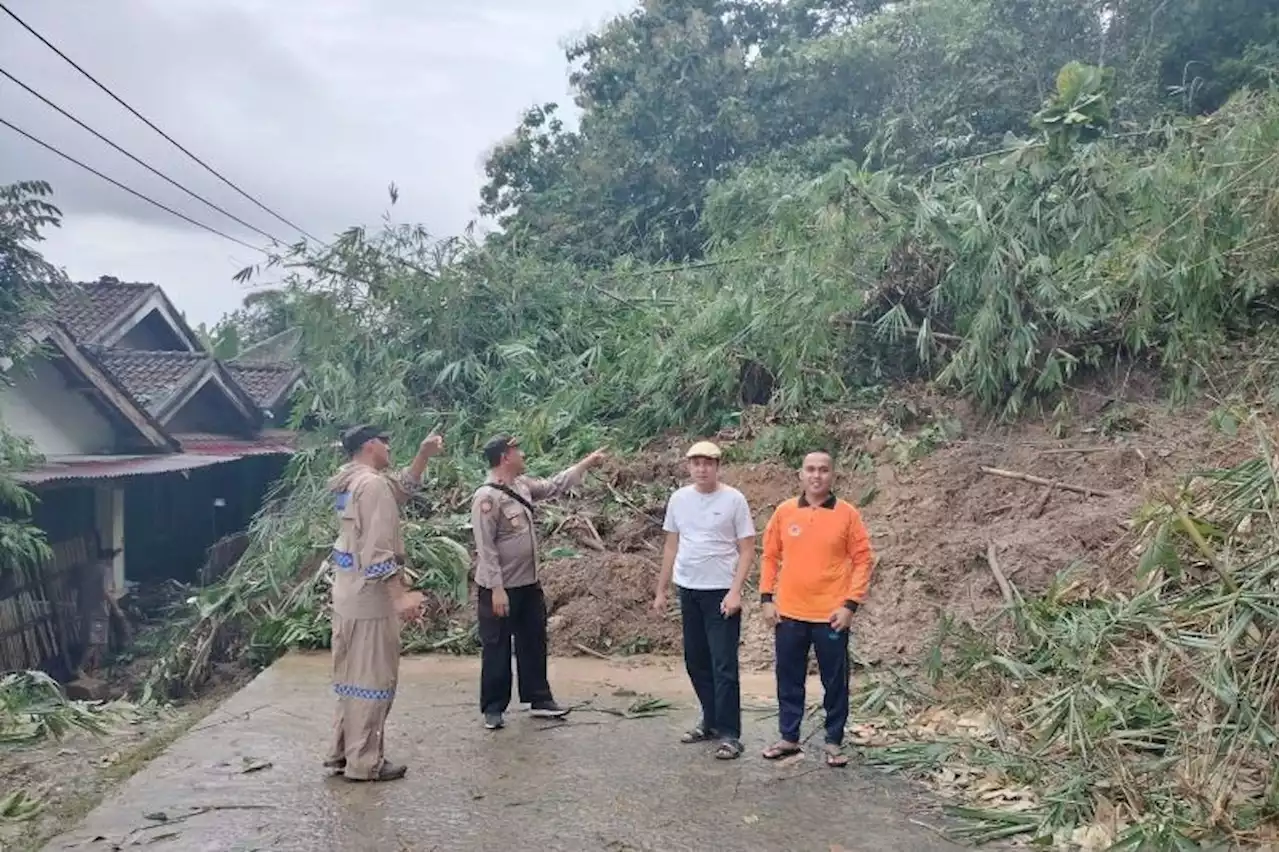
<point>181,138</point>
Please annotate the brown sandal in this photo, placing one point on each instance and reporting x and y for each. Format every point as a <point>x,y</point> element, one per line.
<point>835,756</point>
<point>779,750</point>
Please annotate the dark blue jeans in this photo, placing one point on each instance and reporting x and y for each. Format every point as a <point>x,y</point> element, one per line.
<point>711,659</point>
<point>792,640</point>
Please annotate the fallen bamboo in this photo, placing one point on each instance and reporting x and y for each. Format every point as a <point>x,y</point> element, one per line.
<point>632,506</point>
<point>597,541</point>
<point>1002,581</point>
<point>1050,483</point>
<point>591,651</point>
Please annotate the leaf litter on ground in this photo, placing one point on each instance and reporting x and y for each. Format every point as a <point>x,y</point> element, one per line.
<point>1110,719</point>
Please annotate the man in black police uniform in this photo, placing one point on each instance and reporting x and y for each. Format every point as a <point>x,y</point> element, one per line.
<point>510,602</point>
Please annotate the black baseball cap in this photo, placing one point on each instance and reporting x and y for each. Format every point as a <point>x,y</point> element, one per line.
<point>357,436</point>
<point>496,446</point>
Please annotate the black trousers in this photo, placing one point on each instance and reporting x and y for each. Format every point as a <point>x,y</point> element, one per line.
<point>711,659</point>
<point>792,640</point>
<point>526,624</point>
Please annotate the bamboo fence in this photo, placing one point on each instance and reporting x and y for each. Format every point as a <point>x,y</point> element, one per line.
<point>39,612</point>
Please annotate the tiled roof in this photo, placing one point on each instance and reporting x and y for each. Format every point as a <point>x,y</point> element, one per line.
<point>266,442</point>
<point>87,308</point>
<point>150,377</point>
<point>263,382</point>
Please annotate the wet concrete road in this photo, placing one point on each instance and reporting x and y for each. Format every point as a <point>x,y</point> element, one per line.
<point>248,777</point>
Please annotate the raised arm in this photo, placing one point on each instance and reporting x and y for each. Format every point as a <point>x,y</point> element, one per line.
<point>408,480</point>
<point>432,446</point>
<point>570,477</point>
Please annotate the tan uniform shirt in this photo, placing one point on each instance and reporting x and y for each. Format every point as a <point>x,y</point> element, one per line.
<point>369,549</point>
<point>506,543</point>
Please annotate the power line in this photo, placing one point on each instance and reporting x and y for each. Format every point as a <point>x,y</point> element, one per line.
<point>139,161</point>
<point>127,189</point>
<point>148,123</point>
<point>308,264</point>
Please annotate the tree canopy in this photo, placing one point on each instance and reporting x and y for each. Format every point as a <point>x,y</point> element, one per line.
<point>682,93</point>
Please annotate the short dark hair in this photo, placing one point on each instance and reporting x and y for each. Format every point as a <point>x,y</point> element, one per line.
<point>496,447</point>
<point>819,451</point>
<point>357,436</point>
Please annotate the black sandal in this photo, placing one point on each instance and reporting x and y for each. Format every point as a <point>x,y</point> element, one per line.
<point>697,734</point>
<point>729,750</point>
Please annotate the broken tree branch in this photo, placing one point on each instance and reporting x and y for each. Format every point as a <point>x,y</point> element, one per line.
<point>1051,483</point>
<point>591,652</point>
<point>632,506</point>
<point>596,541</point>
<point>1001,580</point>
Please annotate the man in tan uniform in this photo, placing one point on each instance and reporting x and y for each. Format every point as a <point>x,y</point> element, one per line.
<point>370,598</point>
<point>510,603</point>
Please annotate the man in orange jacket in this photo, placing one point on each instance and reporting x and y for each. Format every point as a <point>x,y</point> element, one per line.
<point>813,576</point>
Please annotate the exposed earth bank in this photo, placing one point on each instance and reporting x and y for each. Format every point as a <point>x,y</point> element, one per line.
<point>916,466</point>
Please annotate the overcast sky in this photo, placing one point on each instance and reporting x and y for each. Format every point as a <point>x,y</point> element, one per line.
<point>312,106</point>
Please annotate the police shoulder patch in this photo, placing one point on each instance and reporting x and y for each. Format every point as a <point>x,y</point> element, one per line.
<point>486,505</point>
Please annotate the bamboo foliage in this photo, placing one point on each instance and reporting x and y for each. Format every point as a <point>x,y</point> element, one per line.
<point>33,707</point>
<point>1148,721</point>
<point>1002,276</point>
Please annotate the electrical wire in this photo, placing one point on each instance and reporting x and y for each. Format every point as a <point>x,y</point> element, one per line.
<point>149,123</point>
<point>128,189</point>
<point>138,160</point>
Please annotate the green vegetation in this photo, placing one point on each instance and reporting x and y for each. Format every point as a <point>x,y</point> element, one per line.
<point>25,288</point>
<point>943,242</point>
<point>1146,719</point>
<point>33,707</point>
<point>779,209</point>
<point>681,93</point>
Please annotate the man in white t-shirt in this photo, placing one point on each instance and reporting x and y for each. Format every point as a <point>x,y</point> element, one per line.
<point>711,542</point>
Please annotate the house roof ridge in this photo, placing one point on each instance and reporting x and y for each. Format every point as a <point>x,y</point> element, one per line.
<point>281,366</point>
<point>125,351</point>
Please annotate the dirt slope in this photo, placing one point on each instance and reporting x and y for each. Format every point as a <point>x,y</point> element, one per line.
<point>932,519</point>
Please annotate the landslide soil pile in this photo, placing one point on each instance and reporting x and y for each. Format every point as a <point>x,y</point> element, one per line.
<point>933,518</point>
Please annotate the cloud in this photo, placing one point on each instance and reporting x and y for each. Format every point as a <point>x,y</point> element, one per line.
<point>314,107</point>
